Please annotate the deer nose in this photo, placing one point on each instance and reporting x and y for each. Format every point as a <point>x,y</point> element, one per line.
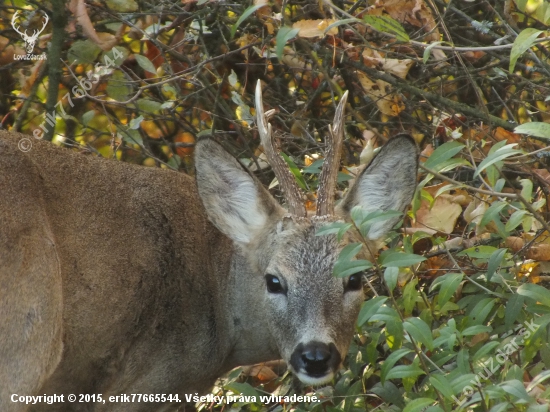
<point>316,359</point>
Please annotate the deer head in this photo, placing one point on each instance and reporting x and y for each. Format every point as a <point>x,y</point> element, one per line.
<point>30,41</point>
<point>308,313</point>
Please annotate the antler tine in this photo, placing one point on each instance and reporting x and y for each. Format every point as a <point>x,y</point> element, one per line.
<point>13,23</point>
<point>45,23</point>
<point>329,173</point>
<point>286,180</point>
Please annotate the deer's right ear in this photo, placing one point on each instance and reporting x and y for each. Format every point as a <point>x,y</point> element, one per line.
<point>236,203</point>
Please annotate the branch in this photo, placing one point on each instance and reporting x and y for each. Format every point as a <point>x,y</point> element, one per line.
<point>59,21</point>
<point>434,99</point>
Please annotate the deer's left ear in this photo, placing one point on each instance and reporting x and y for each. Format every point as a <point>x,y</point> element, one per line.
<point>387,183</point>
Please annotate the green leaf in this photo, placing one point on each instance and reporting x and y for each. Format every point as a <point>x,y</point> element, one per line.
<point>516,388</point>
<point>391,361</point>
<point>410,295</point>
<point>283,36</point>
<point>335,227</point>
<point>442,384</point>
<point>536,292</point>
<point>117,87</point>
<point>537,129</point>
<point>419,235</point>
<point>418,405</point>
<point>369,308</point>
<point>527,189</point>
<point>537,380</point>
<point>498,155</point>
<point>349,251</point>
<point>427,50</point>
<point>478,252</point>
<point>242,389</point>
<point>386,24</point>
<point>480,311</point>
<point>451,164</point>
<point>502,407</point>
<point>135,122</point>
<point>399,259</point>
<point>83,51</point>
<point>342,22</point>
<point>131,136</point>
<point>295,171</point>
<point>460,382</point>
<point>443,153</point>
<point>244,16</point>
<point>448,285</point>
<point>474,330</point>
<point>315,167</point>
<point>345,266</point>
<point>494,262</point>
<point>404,371</point>
<point>145,63</point>
<point>492,214</point>
<point>515,220</point>
<point>513,309</point>
<point>420,331</point>
<point>390,276</point>
<point>522,43</point>
<point>87,117</point>
<point>348,268</point>
<point>148,105</point>
<point>485,350</point>
<point>389,393</point>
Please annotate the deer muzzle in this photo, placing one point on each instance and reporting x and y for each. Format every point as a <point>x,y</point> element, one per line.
<point>315,362</point>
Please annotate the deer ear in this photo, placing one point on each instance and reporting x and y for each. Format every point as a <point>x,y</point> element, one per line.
<point>387,183</point>
<point>235,202</point>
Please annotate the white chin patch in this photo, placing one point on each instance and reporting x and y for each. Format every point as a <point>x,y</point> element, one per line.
<point>314,381</point>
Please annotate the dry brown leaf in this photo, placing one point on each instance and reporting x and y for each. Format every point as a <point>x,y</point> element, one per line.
<point>414,12</point>
<point>399,68</point>
<point>501,134</point>
<point>441,217</point>
<point>7,51</point>
<point>387,102</point>
<point>314,28</point>
<point>474,213</point>
<point>27,80</point>
<point>514,243</point>
<point>540,252</point>
<point>105,41</point>
<point>262,372</point>
<point>543,175</point>
<point>295,62</point>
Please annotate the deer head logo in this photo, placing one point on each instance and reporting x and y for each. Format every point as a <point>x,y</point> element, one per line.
<point>30,41</point>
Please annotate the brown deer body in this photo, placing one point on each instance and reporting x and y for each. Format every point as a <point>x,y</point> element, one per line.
<point>113,280</point>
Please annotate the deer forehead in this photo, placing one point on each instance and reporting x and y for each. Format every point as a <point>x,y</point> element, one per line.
<point>299,251</point>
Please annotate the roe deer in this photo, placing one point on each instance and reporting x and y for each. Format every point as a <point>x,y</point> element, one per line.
<point>119,279</point>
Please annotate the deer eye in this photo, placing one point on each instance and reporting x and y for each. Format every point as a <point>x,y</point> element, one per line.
<point>354,282</point>
<point>273,284</point>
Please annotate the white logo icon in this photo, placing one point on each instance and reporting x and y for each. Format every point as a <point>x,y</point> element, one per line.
<point>30,41</point>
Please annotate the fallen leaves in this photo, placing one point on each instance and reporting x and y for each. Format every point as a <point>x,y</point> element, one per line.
<point>315,28</point>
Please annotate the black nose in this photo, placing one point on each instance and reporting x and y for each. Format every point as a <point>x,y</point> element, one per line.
<point>315,358</point>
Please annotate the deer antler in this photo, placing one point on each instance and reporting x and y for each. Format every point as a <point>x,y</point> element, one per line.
<point>14,24</point>
<point>329,173</point>
<point>286,180</point>
<point>37,32</point>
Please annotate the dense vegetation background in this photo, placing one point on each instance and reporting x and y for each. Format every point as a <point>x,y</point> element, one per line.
<point>458,308</point>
